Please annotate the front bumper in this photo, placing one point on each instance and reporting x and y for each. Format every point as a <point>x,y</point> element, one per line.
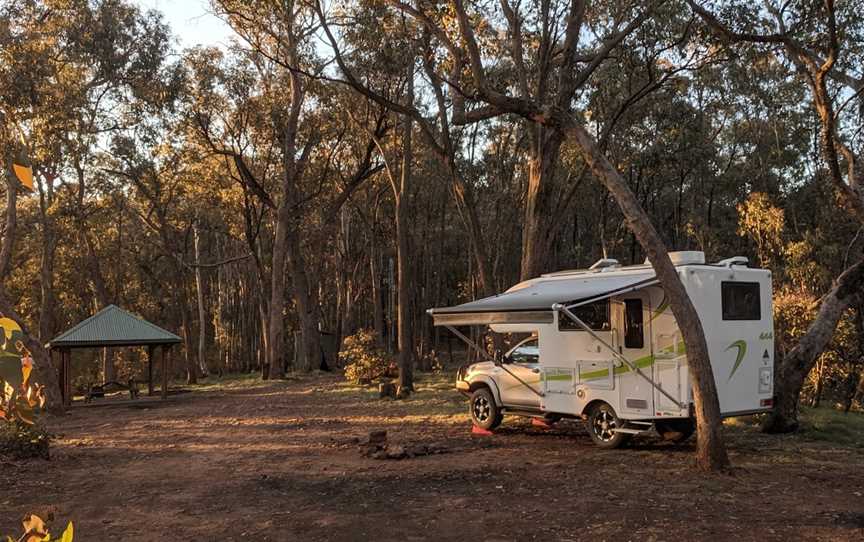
<point>463,386</point>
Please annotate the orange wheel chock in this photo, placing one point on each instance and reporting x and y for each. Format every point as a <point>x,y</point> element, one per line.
<point>537,422</point>
<point>479,431</point>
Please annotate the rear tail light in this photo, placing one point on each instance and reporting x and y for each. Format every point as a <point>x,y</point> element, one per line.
<point>767,402</point>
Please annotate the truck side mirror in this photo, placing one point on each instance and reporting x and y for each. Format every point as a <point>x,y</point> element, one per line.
<point>500,358</point>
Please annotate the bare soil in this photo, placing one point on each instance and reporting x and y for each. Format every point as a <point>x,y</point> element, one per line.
<point>245,460</point>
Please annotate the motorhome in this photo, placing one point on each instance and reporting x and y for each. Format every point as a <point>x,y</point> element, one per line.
<point>602,344</point>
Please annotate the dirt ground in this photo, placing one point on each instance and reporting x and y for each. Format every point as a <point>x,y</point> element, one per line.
<point>245,460</point>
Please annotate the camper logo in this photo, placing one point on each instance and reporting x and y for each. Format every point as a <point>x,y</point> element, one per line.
<point>742,351</point>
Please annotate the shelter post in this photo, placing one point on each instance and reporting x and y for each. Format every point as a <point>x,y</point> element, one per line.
<point>150,351</point>
<point>66,356</point>
<point>166,349</point>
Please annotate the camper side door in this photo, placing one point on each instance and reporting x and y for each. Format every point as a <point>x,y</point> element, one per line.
<point>633,341</point>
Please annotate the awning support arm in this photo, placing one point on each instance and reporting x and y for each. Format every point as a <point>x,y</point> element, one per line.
<point>472,344</point>
<point>563,309</point>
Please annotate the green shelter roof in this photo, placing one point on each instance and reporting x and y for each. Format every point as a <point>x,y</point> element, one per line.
<point>112,326</point>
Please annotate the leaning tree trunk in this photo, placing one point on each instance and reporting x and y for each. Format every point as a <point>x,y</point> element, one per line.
<point>710,449</point>
<point>796,365</point>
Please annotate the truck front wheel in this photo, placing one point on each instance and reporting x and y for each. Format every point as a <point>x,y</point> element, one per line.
<point>602,425</point>
<point>484,412</point>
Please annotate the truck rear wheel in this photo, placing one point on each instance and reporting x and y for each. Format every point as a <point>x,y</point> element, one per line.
<point>484,412</point>
<point>602,423</point>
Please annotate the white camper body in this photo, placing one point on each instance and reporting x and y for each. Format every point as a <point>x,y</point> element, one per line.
<point>606,336</point>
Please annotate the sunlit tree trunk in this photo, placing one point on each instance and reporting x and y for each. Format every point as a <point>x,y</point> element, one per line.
<point>202,313</point>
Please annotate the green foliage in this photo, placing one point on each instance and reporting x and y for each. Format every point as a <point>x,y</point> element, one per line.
<point>20,440</point>
<point>21,436</point>
<point>763,223</point>
<point>364,360</point>
<point>831,425</point>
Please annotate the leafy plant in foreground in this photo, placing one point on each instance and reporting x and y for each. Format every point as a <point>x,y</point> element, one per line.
<point>35,530</point>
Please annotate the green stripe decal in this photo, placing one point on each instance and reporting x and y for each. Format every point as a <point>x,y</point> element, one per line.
<point>641,363</point>
<point>742,351</point>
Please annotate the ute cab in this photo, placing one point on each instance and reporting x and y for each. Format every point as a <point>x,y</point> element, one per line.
<point>603,346</point>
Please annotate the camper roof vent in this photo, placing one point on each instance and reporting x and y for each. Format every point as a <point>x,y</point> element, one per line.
<point>605,263</point>
<point>685,257</point>
<point>734,260</point>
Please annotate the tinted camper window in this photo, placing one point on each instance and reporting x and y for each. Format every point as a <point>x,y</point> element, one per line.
<point>634,336</point>
<point>741,301</point>
<point>595,316</point>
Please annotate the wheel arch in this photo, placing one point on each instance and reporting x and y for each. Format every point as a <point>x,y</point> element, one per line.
<point>594,403</point>
<point>486,382</point>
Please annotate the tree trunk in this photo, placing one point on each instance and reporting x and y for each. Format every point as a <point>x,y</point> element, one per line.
<point>377,299</point>
<point>797,363</point>
<point>43,371</point>
<point>536,244</point>
<point>109,371</point>
<point>276,357</point>
<point>308,312</point>
<point>710,449</point>
<point>202,313</point>
<point>406,343</point>
<point>817,392</point>
<point>186,319</point>
<point>47,322</point>
<point>11,225</point>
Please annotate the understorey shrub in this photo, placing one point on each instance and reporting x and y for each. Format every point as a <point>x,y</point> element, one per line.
<point>22,436</point>
<point>19,440</point>
<point>365,361</point>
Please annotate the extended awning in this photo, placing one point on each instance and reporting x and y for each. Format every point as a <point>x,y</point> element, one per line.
<point>531,301</point>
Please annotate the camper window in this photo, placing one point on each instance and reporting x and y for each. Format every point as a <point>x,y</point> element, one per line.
<point>527,352</point>
<point>595,315</point>
<point>740,301</point>
<point>633,324</point>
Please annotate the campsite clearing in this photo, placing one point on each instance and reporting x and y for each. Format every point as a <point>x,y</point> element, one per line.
<point>245,459</point>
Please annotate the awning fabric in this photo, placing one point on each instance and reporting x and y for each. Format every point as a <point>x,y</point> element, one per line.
<point>531,301</point>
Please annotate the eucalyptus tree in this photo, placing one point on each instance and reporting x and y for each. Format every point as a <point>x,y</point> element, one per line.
<point>285,158</point>
<point>821,45</point>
